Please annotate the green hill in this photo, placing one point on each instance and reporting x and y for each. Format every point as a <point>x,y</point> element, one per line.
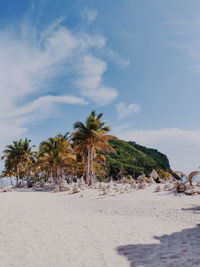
<point>161,160</point>
<point>133,159</point>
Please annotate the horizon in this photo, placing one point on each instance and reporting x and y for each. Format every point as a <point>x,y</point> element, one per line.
<point>137,62</point>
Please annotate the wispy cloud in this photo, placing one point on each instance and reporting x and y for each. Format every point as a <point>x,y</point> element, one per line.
<point>42,105</point>
<point>31,65</point>
<point>89,14</point>
<point>185,32</point>
<point>28,64</point>
<point>124,110</point>
<point>123,63</point>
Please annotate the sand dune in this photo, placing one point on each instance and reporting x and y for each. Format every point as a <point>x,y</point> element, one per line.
<point>141,228</point>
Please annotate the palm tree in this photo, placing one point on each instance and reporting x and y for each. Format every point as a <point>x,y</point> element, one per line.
<point>91,137</point>
<point>56,156</point>
<point>19,158</point>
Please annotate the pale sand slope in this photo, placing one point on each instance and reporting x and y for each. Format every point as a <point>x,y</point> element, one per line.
<point>42,229</point>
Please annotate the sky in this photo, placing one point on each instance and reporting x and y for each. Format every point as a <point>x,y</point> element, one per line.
<point>137,61</point>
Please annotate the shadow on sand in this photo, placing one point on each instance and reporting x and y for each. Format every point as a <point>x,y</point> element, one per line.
<point>42,189</point>
<point>180,249</point>
<point>195,209</point>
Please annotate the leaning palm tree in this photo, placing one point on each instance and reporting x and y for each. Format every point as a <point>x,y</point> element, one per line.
<point>91,137</point>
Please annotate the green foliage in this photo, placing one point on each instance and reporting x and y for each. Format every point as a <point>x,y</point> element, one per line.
<point>132,159</point>
<point>161,160</point>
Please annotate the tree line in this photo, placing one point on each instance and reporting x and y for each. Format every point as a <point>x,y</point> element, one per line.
<point>63,157</point>
<point>89,152</point>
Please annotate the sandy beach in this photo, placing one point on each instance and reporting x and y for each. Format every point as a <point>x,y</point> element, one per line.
<point>141,228</point>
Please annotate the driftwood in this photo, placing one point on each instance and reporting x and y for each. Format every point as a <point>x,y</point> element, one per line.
<point>181,188</point>
<point>192,175</point>
<point>192,192</point>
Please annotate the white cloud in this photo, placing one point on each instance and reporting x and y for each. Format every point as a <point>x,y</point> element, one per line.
<point>31,64</point>
<point>43,105</point>
<point>89,14</point>
<point>181,146</point>
<point>91,70</point>
<point>123,63</point>
<point>124,110</point>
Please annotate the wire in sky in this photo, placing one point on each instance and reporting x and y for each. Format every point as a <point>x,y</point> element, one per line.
<point>182,148</point>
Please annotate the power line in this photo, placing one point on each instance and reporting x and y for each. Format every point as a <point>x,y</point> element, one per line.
<point>182,148</point>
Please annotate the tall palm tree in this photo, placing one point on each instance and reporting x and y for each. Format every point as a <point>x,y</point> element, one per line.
<point>56,156</point>
<point>91,137</point>
<point>19,157</point>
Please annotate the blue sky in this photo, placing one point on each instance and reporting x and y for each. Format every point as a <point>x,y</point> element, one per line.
<point>136,61</point>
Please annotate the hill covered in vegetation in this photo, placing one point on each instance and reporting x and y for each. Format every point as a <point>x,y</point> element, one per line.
<point>133,159</point>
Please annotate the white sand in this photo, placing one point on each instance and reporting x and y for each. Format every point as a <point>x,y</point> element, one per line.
<point>43,229</point>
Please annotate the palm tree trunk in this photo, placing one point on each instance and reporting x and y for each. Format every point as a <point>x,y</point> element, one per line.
<point>51,174</point>
<point>57,176</point>
<point>91,166</point>
<point>17,176</point>
<point>93,171</point>
<point>84,168</point>
<point>17,173</point>
<point>62,175</point>
<point>88,168</point>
